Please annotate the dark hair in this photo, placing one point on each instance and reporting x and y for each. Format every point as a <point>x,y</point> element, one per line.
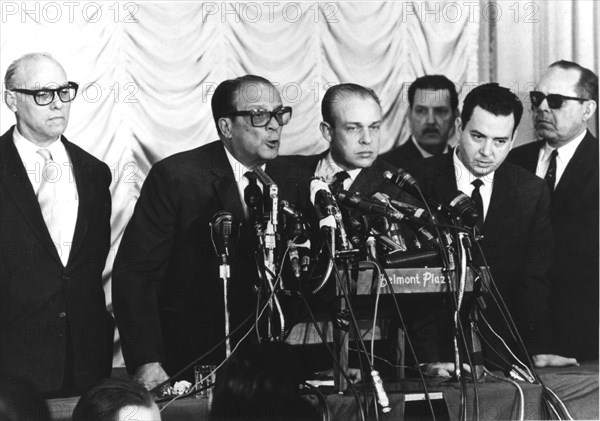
<point>226,95</point>
<point>587,86</point>
<point>103,401</point>
<point>335,93</point>
<point>20,401</point>
<point>434,83</point>
<point>261,383</point>
<point>495,99</point>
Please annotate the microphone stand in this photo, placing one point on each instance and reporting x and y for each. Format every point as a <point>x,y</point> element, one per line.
<point>225,274</point>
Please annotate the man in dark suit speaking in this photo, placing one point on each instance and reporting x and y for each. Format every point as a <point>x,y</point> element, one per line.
<point>566,156</point>
<point>515,206</point>
<point>167,293</point>
<point>55,235</point>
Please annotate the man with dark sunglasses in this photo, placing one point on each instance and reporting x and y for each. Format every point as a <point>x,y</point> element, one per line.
<point>566,156</point>
<point>167,291</point>
<point>55,210</point>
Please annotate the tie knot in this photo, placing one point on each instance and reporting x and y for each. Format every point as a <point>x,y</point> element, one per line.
<point>340,177</point>
<point>251,177</point>
<point>554,154</point>
<point>45,153</point>
<point>477,183</point>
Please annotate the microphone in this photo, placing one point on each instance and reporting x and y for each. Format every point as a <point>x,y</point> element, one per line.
<point>223,235</point>
<point>413,212</point>
<point>254,201</point>
<point>411,259</point>
<point>394,228</point>
<point>324,203</point>
<point>465,208</point>
<point>222,232</point>
<point>404,181</point>
<point>273,192</point>
<point>353,200</point>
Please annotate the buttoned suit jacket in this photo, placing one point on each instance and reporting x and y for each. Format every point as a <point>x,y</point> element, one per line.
<point>167,293</point>
<point>575,222</point>
<point>43,303</point>
<point>517,243</point>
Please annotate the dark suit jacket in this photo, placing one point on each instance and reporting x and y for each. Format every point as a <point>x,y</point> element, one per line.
<point>43,303</point>
<point>518,241</point>
<point>167,294</point>
<point>575,223</point>
<point>402,154</point>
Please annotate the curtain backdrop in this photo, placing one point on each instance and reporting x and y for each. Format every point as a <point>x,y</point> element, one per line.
<point>147,70</point>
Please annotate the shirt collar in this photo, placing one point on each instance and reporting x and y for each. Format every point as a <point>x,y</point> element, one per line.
<point>238,168</point>
<point>565,152</point>
<point>27,148</point>
<point>424,153</point>
<point>464,177</point>
<point>327,168</point>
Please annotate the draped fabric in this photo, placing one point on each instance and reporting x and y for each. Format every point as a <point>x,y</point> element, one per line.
<point>147,70</point>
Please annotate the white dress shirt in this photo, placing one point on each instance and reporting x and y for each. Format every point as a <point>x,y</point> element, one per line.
<point>327,168</point>
<point>464,178</point>
<point>565,153</point>
<point>424,153</point>
<point>242,182</point>
<point>67,198</point>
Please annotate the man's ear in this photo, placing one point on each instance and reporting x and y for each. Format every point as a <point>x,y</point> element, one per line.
<point>225,126</point>
<point>458,126</point>
<point>326,130</point>
<point>10,98</point>
<point>590,108</point>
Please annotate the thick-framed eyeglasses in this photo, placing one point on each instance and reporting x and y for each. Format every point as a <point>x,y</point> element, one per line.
<point>45,96</point>
<point>260,117</point>
<point>555,101</point>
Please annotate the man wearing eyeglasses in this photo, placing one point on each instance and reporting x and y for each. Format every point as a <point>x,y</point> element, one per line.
<point>55,236</point>
<point>566,156</point>
<point>167,292</point>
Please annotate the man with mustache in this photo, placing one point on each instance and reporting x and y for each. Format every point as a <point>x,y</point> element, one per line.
<point>566,156</point>
<point>55,330</point>
<point>515,210</point>
<point>167,292</point>
<point>433,108</point>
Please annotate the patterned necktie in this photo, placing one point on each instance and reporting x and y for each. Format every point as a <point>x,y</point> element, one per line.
<point>551,173</point>
<point>337,184</point>
<point>47,195</point>
<point>476,196</point>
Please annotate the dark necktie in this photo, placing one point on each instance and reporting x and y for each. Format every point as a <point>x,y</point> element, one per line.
<point>252,195</point>
<point>476,196</point>
<point>551,173</point>
<point>337,184</point>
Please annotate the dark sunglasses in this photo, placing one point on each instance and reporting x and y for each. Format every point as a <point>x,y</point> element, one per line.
<point>45,96</point>
<point>555,101</point>
<point>260,118</point>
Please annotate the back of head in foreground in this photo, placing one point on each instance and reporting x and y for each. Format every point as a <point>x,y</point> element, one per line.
<point>114,400</point>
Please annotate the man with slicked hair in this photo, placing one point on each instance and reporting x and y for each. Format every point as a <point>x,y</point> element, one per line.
<point>566,156</point>
<point>514,206</point>
<point>55,209</point>
<point>167,292</point>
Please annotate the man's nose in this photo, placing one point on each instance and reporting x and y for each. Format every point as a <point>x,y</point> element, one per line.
<point>365,136</point>
<point>486,148</point>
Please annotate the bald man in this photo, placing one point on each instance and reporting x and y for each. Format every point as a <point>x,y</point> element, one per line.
<point>55,209</point>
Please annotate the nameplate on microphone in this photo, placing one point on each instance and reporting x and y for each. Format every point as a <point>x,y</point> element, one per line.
<point>412,281</point>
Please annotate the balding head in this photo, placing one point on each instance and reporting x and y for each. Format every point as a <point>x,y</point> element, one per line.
<point>14,77</point>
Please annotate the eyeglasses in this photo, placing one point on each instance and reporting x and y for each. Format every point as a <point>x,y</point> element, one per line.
<point>260,118</point>
<point>555,101</point>
<point>45,96</point>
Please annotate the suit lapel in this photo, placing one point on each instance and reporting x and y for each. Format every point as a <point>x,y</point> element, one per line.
<point>225,185</point>
<point>18,186</point>
<point>578,167</point>
<point>500,202</point>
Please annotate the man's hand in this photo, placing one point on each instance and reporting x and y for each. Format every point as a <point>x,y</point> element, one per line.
<point>150,375</point>
<point>551,360</point>
<point>442,369</point>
